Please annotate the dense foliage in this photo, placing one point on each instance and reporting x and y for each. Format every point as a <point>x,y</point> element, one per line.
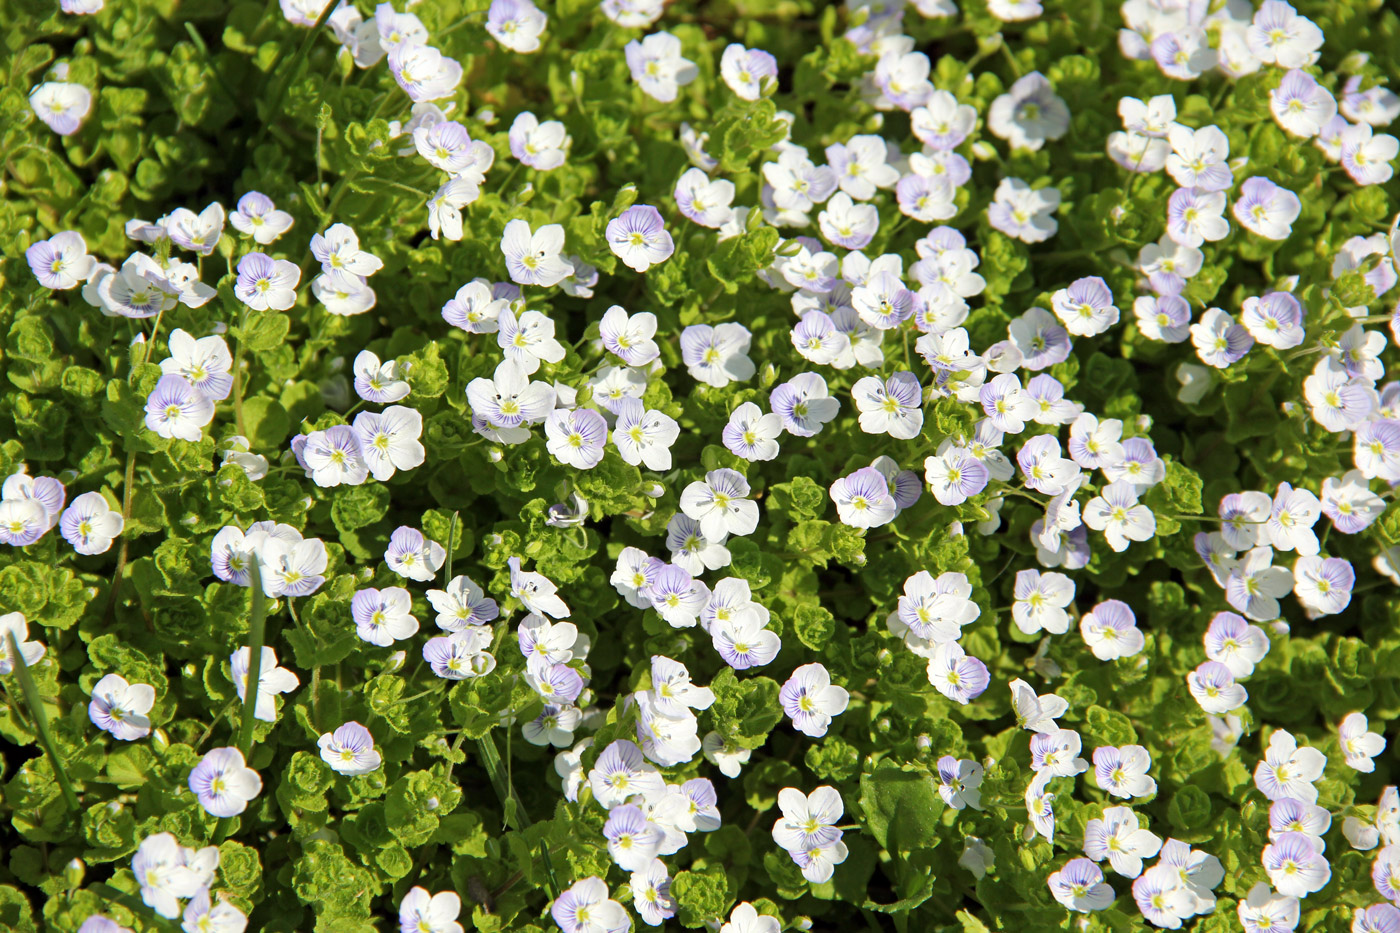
<point>760,463</point>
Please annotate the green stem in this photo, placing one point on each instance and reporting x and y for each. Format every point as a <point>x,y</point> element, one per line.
<point>257,632</point>
<point>491,759</point>
<point>41,721</point>
<point>290,70</point>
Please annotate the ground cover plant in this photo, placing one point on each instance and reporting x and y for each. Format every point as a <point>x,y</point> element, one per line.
<point>751,465</point>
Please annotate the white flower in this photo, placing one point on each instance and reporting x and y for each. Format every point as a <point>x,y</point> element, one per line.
<point>720,504</point>
<point>811,700</point>
<point>272,681</point>
<point>205,363</point>
<point>1263,911</point>
<point>1029,113</point>
<point>542,146</point>
<point>165,879</point>
<point>1036,713</point>
<point>120,708</point>
<point>1040,601</point>
<point>445,206</point>
<point>516,24</point>
<point>658,67</point>
<point>1359,745</point>
<point>1118,838</point>
<point>62,106</point>
<point>534,258</point>
<point>421,912</point>
<point>1116,512</point>
<point>536,592</point>
<point>729,759</point>
<point>196,232</point>
<point>890,406</point>
<point>1199,158</point>
<point>528,341</point>
<point>1214,687</point>
<point>1289,770</point>
<point>1279,36</point>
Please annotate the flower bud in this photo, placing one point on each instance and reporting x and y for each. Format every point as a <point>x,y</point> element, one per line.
<point>923,743</point>
<point>653,490</point>
<point>73,873</point>
<point>983,151</point>
<point>495,455</point>
<point>395,662</point>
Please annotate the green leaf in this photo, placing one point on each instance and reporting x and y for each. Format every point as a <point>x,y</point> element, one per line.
<point>900,806</point>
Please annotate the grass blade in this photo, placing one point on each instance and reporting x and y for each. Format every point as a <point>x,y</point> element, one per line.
<point>41,722</point>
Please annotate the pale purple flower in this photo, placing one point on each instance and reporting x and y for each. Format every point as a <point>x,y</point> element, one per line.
<point>198,233</point>
<point>638,237</point>
<point>883,302</point>
<point>621,772</point>
<point>164,877</point>
<point>460,655</point>
<point>61,262</point>
<point>1287,815</point>
<point>1123,771</point>
<point>717,355</point>
<point>943,123</point>
<point>1199,158</point>
<point>90,524</point>
<point>1029,113</point>
<point>576,438</point>
<point>1219,341</point>
<point>816,338</point>
<point>510,399</point>
<point>1378,918</point>
<point>1040,338</point>
<point>1024,213</point>
<point>863,499</point>
<point>861,166</point>
<point>1040,601</point>
<point>1184,54</point>
<point>1214,688</point>
<point>927,199</point>
<point>1289,770</point>
<point>658,67</point>
<point>1057,753</point>
<point>412,555</point>
<point>350,750</point>
<point>721,504</point>
<point>848,224</point>
<point>803,404</point>
<point>97,923</point>
<point>176,409</point>
<point>1301,105</point>
<point>1043,466</point>
<point>1278,35</point>
<point>629,338</point>
<point>892,406</point>
<point>955,476</point>
<point>1161,897</point>
<point>223,782</point>
<point>121,708</point>
<point>424,73</point>
<point>475,309</point>
<point>1367,155</point>
<point>586,908</point>
<point>1086,308</point>
<point>798,184</point>
<point>643,435</point>
<point>257,216</point>
<point>389,440</point>
<point>541,146</point>
<point>338,249</point>
<point>1117,513</point>
<point>1049,395</point>
<point>1295,866</point>
<point>1274,319</point>
<point>957,676</point>
<point>1235,643</point>
<point>265,283</point>
<point>462,604</point>
<point>383,617</point>
<point>1080,887</point>
<point>811,700</point>
<point>1323,584</point>
<point>1006,404</point>
<point>752,435</point>
<point>1359,746</point>
<point>332,457</point>
<point>1266,209</point>
<point>1195,216</point>
<point>743,642</point>
<point>704,200</point>
<point>62,105</point>
<point>745,70</point>
<point>633,840</point>
<point>675,595</point>
<point>1110,630</point>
